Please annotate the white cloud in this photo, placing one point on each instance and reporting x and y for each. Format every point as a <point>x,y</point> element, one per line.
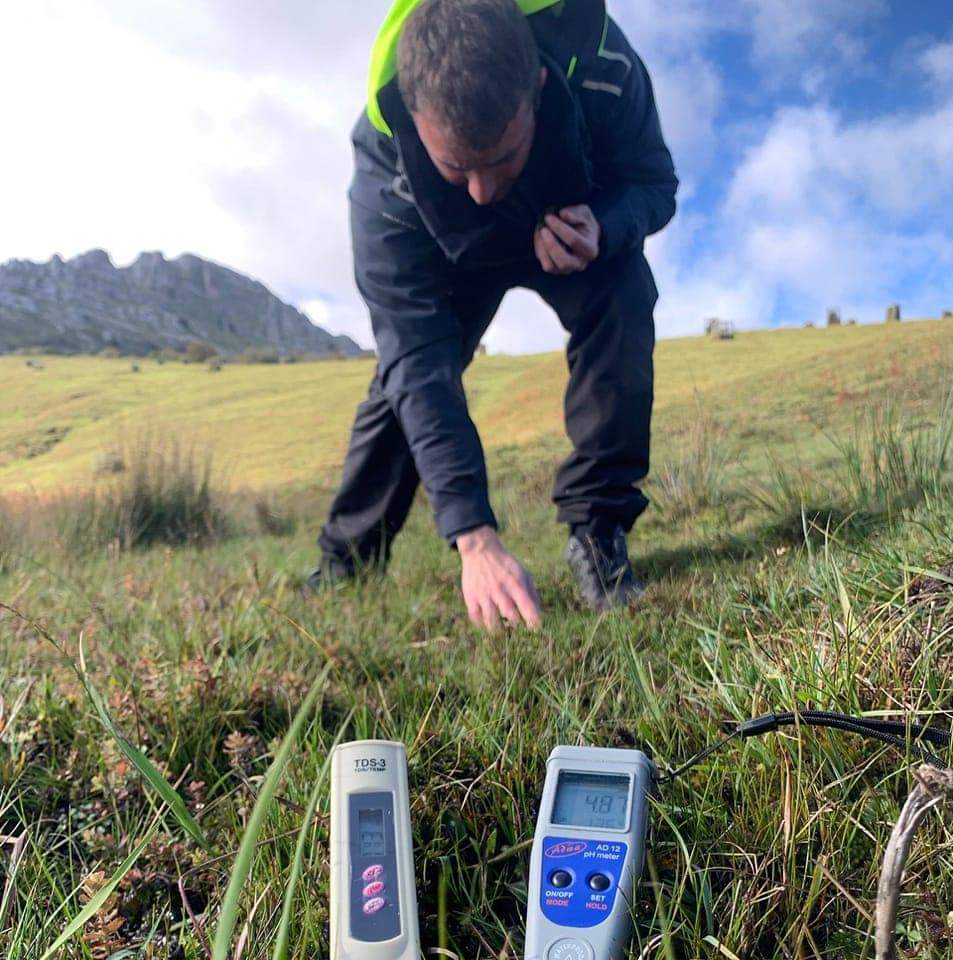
<point>821,212</point>
<point>937,63</point>
<point>182,128</point>
<point>222,129</point>
<point>785,34</point>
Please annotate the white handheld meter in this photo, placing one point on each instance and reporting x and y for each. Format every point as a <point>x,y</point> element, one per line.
<point>373,897</point>
<point>588,850</point>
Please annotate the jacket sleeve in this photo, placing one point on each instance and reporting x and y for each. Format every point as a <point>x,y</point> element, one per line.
<point>402,277</point>
<point>633,168</point>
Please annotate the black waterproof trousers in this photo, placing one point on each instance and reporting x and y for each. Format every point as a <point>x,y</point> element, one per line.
<point>608,312</point>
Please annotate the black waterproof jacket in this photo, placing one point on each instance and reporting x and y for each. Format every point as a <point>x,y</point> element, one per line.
<point>416,237</point>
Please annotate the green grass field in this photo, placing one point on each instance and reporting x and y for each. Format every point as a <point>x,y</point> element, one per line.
<point>800,553</point>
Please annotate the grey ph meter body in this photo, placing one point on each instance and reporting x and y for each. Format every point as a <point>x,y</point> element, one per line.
<point>588,851</point>
<point>373,897</point>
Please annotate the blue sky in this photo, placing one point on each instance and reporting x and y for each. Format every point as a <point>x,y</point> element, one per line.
<point>814,141</point>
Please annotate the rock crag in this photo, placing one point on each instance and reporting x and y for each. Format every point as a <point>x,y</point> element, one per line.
<point>86,304</point>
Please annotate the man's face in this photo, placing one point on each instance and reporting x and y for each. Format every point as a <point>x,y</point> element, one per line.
<point>490,174</point>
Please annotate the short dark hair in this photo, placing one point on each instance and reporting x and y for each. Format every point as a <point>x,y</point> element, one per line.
<point>471,63</point>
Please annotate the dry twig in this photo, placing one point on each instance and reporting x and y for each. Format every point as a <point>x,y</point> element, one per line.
<point>933,786</point>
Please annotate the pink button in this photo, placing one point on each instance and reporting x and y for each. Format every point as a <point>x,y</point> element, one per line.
<point>374,872</point>
<point>375,905</point>
<point>374,889</point>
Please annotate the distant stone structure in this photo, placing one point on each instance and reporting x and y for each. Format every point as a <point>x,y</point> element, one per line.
<point>722,329</point>
<point>893,313</point>
<point>852,322</point>
<point>833,318</point>
<point>947,315</point>
<point>481,350</point>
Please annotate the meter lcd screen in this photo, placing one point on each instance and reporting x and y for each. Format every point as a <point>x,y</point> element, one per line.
<point>370,825</point>
<point>593,800</point>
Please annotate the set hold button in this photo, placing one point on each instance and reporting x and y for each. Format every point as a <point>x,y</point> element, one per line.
<point>599,882</point>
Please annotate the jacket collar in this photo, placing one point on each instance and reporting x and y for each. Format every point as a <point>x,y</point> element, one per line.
<point>558,173</point>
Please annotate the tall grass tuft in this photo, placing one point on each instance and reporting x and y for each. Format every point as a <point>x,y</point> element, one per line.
<point>9,538</point>
<point>782,489</point>
<point>696,480</point>
<point>165,496</point>
<point>888,460</point>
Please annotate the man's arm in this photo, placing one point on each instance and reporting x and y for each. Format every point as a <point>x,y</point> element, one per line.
<point>402,276</point>
<point>633,166</point>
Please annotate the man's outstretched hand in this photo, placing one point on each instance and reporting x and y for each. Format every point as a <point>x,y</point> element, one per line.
<point>568,241</point>
<point>495,585</point>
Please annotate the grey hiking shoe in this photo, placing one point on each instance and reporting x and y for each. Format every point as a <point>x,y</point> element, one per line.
<point>603,572</point>
<point>330,573</point>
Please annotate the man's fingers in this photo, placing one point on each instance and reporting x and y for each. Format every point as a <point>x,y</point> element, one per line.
<point>563,260</point>
<point>579,216</point>
<point>528,603</point>
<point>505,604</point>
<point>545,261</point>
<point>491,616</point>
<point>580,245</point>
<point>474,613</point>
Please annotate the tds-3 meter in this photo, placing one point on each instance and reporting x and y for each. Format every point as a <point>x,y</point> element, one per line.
<point>373,898</point>
<point>588,852</point>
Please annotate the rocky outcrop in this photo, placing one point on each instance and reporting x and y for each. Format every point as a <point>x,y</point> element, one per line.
<point>85,304</point>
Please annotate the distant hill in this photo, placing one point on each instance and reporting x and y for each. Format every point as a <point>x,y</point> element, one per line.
<point>763,398</point>
<point>86,304</point>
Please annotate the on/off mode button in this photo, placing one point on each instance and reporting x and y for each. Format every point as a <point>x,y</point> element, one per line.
<point>569,950</point>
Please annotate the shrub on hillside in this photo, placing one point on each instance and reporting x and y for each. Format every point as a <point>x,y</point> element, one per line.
<point>260,354</point>
<point>111,353</point>
<point>273,519</point>
<point>164,496</point>
<point>696,481</point>
<point>199,352</point>
<point>167,355</point>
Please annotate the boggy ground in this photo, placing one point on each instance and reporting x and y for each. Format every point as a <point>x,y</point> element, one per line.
<point>799,552</point>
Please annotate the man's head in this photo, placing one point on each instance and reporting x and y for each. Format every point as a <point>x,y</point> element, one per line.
<point>470,75</point>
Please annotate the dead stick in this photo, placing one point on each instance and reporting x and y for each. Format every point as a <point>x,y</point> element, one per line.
<point>932,787</point>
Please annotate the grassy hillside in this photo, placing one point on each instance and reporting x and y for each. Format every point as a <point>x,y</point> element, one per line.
<point>799,551</point>
<point>270,426</point>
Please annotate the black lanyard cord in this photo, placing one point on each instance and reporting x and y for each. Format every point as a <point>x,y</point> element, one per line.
<point>903,736</point>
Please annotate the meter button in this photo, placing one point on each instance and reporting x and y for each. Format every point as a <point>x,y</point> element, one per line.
<point>561,878</point>
<point>373,872</point>
<point>374,889</point>
<point>569,950</point>
<point>599,882</point>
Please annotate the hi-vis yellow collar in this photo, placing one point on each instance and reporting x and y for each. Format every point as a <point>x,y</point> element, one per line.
<point>384,55</point>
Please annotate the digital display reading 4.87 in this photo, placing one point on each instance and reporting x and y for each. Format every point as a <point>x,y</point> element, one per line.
<point>370,826</point>
<point>592,800</point>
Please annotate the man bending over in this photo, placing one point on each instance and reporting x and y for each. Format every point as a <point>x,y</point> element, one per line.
<point>506,143</point>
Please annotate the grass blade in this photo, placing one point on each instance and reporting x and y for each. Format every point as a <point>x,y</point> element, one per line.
<point>284,925</point>
<point>101,896</point>
<point>170,796</point>
<point>246,851</point>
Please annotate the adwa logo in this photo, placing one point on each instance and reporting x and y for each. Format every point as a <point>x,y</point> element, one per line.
<point>566,848</point>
